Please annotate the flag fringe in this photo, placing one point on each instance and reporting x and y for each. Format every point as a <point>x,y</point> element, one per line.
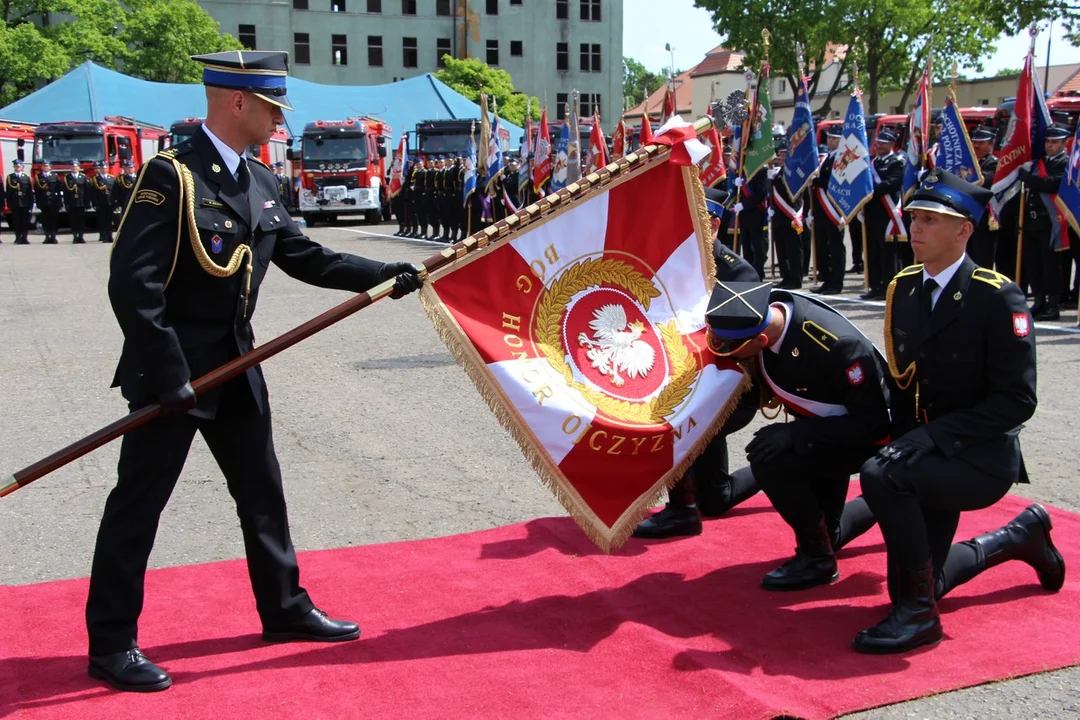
<point>700,213</point>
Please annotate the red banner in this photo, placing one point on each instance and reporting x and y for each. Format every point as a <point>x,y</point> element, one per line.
<point>712,168</point>
<point>597,146</point>
<point>541,170</point>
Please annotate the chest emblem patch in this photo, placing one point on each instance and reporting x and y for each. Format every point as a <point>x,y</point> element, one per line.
<point>1021,326</point>
<point>855,375</point>
<point>215,244</point>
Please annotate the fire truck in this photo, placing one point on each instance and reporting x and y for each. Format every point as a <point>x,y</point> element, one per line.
<point>14,138</point>
<point>343,169</point>
<point>277,150</point>
<point>1064,108</point>
<point>451,137</point>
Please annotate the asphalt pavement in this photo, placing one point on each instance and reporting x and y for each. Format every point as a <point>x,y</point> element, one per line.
<point>381,436</point>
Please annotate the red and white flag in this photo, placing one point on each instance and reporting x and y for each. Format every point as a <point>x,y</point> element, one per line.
<point>646,130</point>
<point>397,170</point>
<point>597,146</point>
<point>712,168</point>
<point>586,335</point>
<point>1016,149</point>
<point>618,140</point>
<point>541,169</point>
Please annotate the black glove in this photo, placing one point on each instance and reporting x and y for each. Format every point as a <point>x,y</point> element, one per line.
<point>177,402</point>
<point>408,278</point>
<point>1024,175</point>
<point>770,442</point>
<point>908,449</point>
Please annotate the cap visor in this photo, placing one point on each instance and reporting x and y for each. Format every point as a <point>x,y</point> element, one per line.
<point>934,207</point>
<point>281,102</point>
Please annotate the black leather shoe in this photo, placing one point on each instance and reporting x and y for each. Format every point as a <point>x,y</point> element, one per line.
<point>314,626</point>
<point>672,521</point>
<point>129,671</point>
<point>872,295</point>
<point>802,572</point>
<point>1050,312</point>
<point>912,622</point>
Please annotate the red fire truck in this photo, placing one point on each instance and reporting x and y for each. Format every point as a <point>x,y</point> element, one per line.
<point>343,169</point>
<point>15,137</point>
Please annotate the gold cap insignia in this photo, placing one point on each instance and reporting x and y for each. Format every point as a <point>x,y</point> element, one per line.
<point>794,352</point>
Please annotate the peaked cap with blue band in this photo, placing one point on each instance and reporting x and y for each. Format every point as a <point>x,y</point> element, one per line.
<point>259,72</point>
<point>948,194</point>
<point>714,201</point>
<point>739,310</point>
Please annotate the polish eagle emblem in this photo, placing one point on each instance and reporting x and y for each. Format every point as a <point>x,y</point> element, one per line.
<point>616,346</point>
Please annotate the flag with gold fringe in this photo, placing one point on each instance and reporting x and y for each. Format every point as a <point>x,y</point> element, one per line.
<point>586,336</point>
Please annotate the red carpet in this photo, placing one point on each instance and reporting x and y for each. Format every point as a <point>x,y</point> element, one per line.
<point>531,621</point>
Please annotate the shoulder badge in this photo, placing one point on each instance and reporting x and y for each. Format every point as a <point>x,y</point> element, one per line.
<point>990,277</point>
<point>819,335</point>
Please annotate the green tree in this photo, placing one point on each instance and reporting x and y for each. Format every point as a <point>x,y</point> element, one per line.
<point>638,82</point>
<point>1005,72</point>
<point>471,76</point>
<point>162,35</point>
<point>25,58</point>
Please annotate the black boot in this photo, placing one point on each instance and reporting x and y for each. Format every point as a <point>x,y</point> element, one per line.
<point>912,622</point>
<point>1049,312</point>
<point>716,497</point>
<point>680,517</point>
<point>1026,538</point>
<point>814,564</point>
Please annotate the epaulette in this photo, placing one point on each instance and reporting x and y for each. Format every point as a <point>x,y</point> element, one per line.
<point>257,160</point>
<point>909,270</point>
<point>990,277</point>
<point>820,335</point>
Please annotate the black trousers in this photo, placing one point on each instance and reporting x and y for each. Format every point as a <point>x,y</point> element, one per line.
<point>806,489</point>
<point>103,216</point>
<point>397,204</point>
<point>431,213</point>
<point>151,459</point>
<point>709,481</point>
<point>20,223</point>
<point>881,259</point>
<point>754,240</point>
<point>789,250</point>
<point>1041,264</point>
<point>48,223</point>
<point>77,219</point>
<point>918,509</point>
<point>830,252</point>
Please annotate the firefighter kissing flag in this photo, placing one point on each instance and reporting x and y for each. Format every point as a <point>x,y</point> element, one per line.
<point>586,335</point>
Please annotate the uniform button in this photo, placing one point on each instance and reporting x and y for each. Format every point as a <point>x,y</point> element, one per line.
<point>922,356</point>
<point>956,445</point>
<point>954,356</point>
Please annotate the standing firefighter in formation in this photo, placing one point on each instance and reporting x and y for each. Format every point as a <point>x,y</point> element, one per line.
<point>191,254</point>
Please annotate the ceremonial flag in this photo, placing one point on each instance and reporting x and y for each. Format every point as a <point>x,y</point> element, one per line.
<point>586,336</point>
<point>494,154</point>
<point>802,161</point>
<point>573,145</point>
<point>852,183</point>
<point>1017,146</point>
<point>918,134</point>
<point>541,170</point>
<point>760,148</point>
<point>712,167</point>
<point>401,164</point>
<point>618,141</point>
<point>559,166</point>
<point>955,152</point>
<point>1068,197</point>
<point>597,145</point>
<point>645,134</point>
<point>668,109</point>
<point>530,144</point>
<point>485,132</point>
<point>469,183</point>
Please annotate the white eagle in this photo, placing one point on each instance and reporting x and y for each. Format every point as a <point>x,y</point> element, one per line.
<point>617,346</point>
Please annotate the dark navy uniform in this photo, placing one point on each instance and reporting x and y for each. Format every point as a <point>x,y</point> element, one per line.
<point>753,220</point>
<point>76,200</point>
<point>105,202</point>
<point>125,185</point>
<point>787,230</point>
<point>881,248</point>
<point>284,185</point>
<point>828,236</point>
<point>982,246</point>
<point>1042,256</point>
<point>19,193</point>
<point>49,192</point>
<point>184,283</point>
<point>963,358</point>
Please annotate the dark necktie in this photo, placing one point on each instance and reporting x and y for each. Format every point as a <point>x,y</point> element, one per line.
<point>243,177</point>
<point>928,297</point>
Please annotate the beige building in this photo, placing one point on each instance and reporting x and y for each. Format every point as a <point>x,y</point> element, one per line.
<point>984,92</point>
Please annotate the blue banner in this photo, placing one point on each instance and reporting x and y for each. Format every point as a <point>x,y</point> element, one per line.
<point>955,153</point>
<point>851,184</point>
<point>1068,197</point>
<point>802,157</point>
<point>1040,120</point>
<point>559,164</point>
<point>469,184</point>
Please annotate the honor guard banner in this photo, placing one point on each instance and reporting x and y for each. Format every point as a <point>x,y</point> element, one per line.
<point>955,152</point>
<point>586,336</point>
<point>802,158</point>
<point>573,145</point>
<point>760,146</point>
<point>1068,197</point>
<point>1016,148</point>
<point>400,166</point>
<point>469,183</point>
<point>851,184</point>
<point>541,169</point>
<point>559,178</point>
<point>712,167</point>
<point>918,132</point>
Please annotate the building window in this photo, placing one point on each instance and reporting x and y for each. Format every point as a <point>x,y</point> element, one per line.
<point>492,52</point>
<point>590,57</point>
<point>515,2</point>
<point>408,52</point>
<point>246,36</point>
<point>337,5</point>
<point>984,102</point>
<point>301,49</point>
<point>374,50</point>
<point>560,105</point>
<point>374,6</point>
<point>562,56</point>
<point>590,10</point>
<point>442,8</point>
<point>492,7</point>
<point>590,103</point>
<point>516,48</point>
<point>442,48</point>
<point>408,7</point>
<point>339,50</point>
<point>562,9</point>
<point>299,4</point>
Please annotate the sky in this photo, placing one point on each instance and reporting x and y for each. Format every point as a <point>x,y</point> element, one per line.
<point>689,30</point>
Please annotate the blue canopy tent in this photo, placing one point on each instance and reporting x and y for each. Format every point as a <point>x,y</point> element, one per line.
<point>90,92</point>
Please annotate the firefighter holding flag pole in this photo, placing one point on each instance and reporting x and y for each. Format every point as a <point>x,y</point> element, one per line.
<point>397,184</point>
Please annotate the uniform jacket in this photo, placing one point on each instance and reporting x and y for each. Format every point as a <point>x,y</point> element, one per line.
<point>48,191</point>
<point>284,187</point>
<point>890,171</point>
<point>829,375</point>
<point>180,317</point>
<point>1055,170</point>
<point>104,191</point>
<point>76,191</point>
<point>125,184</point>
<point>968,373</point>
<point>731,267</point>
<point>19,191</point>
<point>988,166</point>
